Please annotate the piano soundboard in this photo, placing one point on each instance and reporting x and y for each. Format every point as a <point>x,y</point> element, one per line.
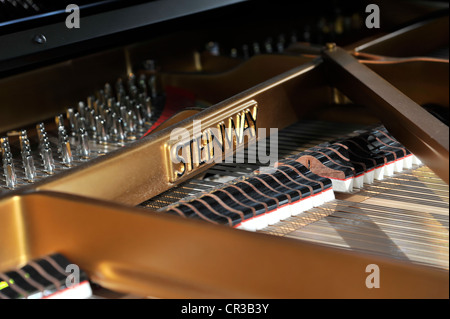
<point>287,155</point>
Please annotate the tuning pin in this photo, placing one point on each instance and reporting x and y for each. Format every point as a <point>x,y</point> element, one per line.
<point>132,88</point>
<point>111,102</point>
<point>8,165</point>
<point>123,113</point>
<point>256,48</point>
<point>81,123</point>
<point>59,120</point>
<point>22,138</point>
<point>268,46</point>
<point>40,127</point>
<point>66,152</point>
<point>134,92</point>
<point>102,136</point>
<point>126,101</point>
<point>76,123</point>
<point>4,144</point>
<point>131,80</point>
<point>40,130</point>
<point>72,122</point>
<point>83,143</point>
<point>148,108</point>
<point>30,169</point>
<point>152,86</point>
<point>27,158</point>
<point>121,135</point>
<point>90,102</point>
<point>113,126</point>
<point>233,53</point>
<point>64,147</point>
<point>47,159</point>
<point>245,51</point>
<point>96,106</point>
<point>119,87</point>
<point>101,96</point>
<point>357,21</point>
<point>281,43</point>
<point>82,109</point>
<point>101,110</point>
<point>108,90</point>
<point>61,135</point>
<point>213,48</point>
<point>140,118</point>
<point>307,34</point>
<point>339,24</point>
<point>91,125</point>
<point>347,23</point>
<point>131,123</point>
<point>141,98</point>
<point>116,108</point>
<point>107,116</point>
<point>142,86</point>
<point>294,38</point>
<point>150,67</point>
<point>121,95</point>
<point>4,141</point>
<point>9,171</point>
<point>43,145</point>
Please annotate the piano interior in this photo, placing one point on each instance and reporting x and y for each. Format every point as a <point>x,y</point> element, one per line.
<point>109,158</point>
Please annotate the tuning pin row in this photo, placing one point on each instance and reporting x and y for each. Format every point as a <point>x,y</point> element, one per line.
<point>132,103</point>
<point>102,117</point>
<point>114,114</point>
<point>268,46</point>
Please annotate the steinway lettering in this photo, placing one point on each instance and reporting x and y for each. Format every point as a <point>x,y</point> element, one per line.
<point>188,152</point>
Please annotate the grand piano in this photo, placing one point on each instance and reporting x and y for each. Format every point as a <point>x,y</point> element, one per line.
<point>224,149</point>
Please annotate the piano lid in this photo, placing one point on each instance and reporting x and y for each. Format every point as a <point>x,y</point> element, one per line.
<point>34,27</point>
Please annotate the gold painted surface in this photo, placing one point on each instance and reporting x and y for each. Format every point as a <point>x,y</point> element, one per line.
<point>421,80</point>
<point>13,237</point>
<point>133,175</point>
<point>148,254</point>
<point>152,255</point>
